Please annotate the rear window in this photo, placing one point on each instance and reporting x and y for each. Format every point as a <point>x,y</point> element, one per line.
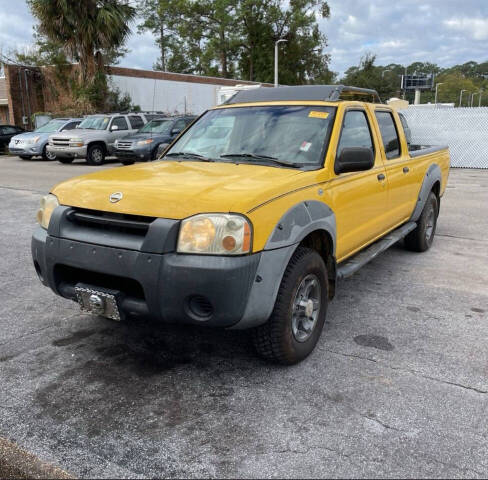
<point>136,122</point>
<point>389,134</point>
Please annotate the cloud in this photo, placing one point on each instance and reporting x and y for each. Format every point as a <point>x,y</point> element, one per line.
<point>446,32</point>
<point>476,28</point>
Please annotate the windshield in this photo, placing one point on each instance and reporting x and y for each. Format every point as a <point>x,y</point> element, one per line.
<point>278,135</point>
<point>157,126</point>
<point>50,127</point>
<point>95,123</point>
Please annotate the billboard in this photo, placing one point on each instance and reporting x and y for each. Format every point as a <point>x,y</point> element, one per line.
<point>417,82</point>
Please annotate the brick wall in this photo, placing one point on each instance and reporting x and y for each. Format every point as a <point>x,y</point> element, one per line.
<point>24,93</point>
<point>4,116</point>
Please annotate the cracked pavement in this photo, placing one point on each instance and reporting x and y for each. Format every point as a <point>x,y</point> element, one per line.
<point>397,386</point>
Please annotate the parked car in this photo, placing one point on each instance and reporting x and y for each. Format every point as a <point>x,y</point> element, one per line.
<point>143,146</point>
<point>94,137</point>
<point>6,133</point>
<point>34,144</point>
<point>252,233</point>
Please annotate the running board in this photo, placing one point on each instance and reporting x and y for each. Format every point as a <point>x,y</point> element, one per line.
<point>351,266</point>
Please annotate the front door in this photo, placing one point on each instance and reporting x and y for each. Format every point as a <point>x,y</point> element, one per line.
<point>359,198</point>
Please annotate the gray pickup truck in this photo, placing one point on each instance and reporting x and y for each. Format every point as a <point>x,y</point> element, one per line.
<point>94,138</point>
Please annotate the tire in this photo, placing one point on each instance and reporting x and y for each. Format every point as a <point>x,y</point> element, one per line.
<point>25,157</point>
<point>154,154</point>
<point>65,160</point>
<point>48,155</point>
<point>279,340</point>
<point>420,239</point>
<point>95,155</point>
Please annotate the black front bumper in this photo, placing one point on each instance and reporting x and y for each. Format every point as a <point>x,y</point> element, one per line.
<point>170,287</point>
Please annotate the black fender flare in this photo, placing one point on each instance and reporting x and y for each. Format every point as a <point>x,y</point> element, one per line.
<point>432,176</point>
<point>299,221</point>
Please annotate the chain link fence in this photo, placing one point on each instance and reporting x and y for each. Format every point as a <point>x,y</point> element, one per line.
<point>465,130</point>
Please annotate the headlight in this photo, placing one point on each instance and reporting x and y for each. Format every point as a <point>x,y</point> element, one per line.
<point>215,234</point>
<point>48,204</point>
<point>145,142</point>
<point>31,141</point>
<point>76,142</point>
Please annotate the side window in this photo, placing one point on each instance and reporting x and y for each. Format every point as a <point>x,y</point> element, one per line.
<point>355,131</point>
<point>136,122</point>
<point>389,134</point>
<point>120,122</point>
<point>188,121</point>
<point>406,129</point>
<point>70,126</point>
<point>10,130</point>
<point>179,125</point>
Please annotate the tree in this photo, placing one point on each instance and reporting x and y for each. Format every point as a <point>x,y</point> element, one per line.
<point>84,29</point>
<point>163,19</point>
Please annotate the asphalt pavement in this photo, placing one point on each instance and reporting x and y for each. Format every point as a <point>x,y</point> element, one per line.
<point>397,386</point>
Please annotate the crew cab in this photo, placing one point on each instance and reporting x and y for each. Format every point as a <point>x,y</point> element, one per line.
<point>251,230</point>
<point>94,137</point>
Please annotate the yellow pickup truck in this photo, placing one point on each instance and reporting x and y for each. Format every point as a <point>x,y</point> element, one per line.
<point>250,217</point>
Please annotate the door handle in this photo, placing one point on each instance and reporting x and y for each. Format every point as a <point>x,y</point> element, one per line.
<point>381,177</point>
<point>406,169</point>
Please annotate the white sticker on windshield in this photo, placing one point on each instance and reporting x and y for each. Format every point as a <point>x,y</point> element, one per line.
<point>305,146</point>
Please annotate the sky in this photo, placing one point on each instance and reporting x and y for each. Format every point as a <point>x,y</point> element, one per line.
<point>445,32</point>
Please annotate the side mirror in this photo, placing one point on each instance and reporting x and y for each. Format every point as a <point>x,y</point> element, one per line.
<point>354,159</point>
<point>114,127</point>
<point>175,131</point>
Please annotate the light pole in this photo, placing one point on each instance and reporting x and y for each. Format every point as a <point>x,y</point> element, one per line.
<point>481,93</point>
<point>383,73</point>
<point>461,97</point>
<point>276,60</point>
<point>436,88</point>
<point>472,99</point>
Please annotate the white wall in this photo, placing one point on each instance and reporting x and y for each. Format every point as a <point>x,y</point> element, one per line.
<point>167,95</point>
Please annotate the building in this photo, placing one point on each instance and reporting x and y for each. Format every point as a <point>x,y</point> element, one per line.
<point>4,116</point>
<point>171,93</point>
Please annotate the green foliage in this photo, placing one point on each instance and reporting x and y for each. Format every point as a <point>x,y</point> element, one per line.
<point>471,77</point>
<point>235,38</point>
<point>84,29</point>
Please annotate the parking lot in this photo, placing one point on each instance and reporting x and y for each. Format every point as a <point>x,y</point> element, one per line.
<point>397,386</point>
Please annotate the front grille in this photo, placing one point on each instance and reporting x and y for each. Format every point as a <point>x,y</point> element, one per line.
<point>115,222</point>
<point>124,145</point>
<point>61,142</point>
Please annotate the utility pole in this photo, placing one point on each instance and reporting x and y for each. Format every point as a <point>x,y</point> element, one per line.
<point>461,97</point>
<point>276,61</point>
<point>436,88</point>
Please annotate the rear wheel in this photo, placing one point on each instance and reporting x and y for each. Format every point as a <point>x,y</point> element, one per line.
<point>65,160</point>
<point>95,155</point>
<point>420,239</point>
<point>298,317</point>
<point>47,155</point>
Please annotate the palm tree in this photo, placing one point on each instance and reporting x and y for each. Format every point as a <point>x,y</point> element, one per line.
<point>85,28</point>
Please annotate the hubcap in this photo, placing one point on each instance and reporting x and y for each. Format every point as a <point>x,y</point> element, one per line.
<point>50,155</point>
<point>429,224</point>
<point>306,307</point>
<point>97,155</point>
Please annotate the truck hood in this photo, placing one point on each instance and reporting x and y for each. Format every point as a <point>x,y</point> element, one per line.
<point>171,189</point>
<point>77,132</point>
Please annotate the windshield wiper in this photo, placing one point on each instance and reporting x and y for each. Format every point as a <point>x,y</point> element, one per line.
<point>195,156</point>
<point>267,158</point>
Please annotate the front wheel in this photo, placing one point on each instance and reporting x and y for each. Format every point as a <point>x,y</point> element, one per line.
<point>298,317</point>
<point>95,155</point>
<point>420,239</point>
<point>47,155</point>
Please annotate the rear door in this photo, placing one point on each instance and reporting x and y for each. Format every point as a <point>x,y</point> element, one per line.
<point>400,171</point>
<point>359,198</point>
